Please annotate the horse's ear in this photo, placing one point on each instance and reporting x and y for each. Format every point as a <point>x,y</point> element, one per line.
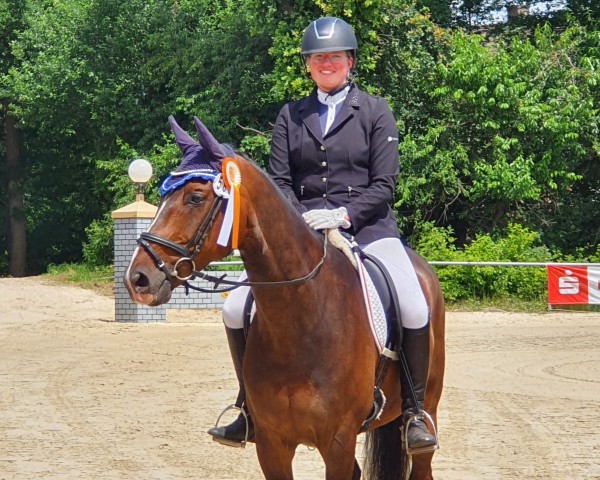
<point>208,142</point>
<point>182,138</point>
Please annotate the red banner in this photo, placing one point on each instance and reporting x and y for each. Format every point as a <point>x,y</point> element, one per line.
<point>573,285</point>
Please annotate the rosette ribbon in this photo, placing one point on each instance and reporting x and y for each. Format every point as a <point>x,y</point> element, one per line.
<point>232,178</point>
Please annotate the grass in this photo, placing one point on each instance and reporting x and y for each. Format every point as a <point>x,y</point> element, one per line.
<point>510,304</point>
<point>97,279</point>
<point>497,305</point>
<point>100,280</point>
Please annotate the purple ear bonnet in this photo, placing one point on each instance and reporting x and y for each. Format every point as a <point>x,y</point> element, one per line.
<point>200,159</point>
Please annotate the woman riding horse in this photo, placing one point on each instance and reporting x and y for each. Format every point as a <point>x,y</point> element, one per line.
<point>334,155</point>
<point>311,362</point>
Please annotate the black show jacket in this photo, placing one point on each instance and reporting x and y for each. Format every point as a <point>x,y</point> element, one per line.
<point>355,165</point>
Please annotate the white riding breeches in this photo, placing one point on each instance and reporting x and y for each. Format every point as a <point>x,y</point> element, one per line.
<point>413,306</point>
<point>392,253</point>
<point>233,307</point>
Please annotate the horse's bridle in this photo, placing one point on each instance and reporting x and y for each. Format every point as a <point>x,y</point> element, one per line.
<point>196,243</point>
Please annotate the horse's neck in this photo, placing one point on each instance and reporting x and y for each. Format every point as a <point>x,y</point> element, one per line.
<point>277,244</point>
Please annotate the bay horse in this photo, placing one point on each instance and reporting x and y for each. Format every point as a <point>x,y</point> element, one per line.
<point>310,360</point>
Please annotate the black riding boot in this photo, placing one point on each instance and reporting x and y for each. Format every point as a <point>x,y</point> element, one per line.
<point>235,433</point>
<point>415,345</point>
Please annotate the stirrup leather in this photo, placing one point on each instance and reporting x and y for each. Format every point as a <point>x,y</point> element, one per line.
<point>232,443</point>
<point>422,415</point>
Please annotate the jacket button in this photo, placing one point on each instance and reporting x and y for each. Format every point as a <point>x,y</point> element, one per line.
<point>324,179</point>
<point>322,147</point>
<point>323,164</point>
<point>324,195</point>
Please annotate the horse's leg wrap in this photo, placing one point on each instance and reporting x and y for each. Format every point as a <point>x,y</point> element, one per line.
<point>234,434</point>
<point>415,348</point>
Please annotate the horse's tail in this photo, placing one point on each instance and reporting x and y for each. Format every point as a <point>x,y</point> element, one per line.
<point>384,457</point>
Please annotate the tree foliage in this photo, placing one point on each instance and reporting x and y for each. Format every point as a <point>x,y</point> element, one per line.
<point>498,128</point>
<point>515,244</point>
<point>513,134</point>
<point>12,172</point>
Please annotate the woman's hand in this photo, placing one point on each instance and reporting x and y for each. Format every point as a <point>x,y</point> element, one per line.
<point>322,218</point>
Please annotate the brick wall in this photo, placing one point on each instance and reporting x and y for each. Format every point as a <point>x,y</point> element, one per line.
<point>200,299</point>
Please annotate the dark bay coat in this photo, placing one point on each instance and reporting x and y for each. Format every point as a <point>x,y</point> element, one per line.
<point>355,165</point>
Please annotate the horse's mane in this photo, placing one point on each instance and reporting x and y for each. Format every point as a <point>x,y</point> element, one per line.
<point>262,173</point>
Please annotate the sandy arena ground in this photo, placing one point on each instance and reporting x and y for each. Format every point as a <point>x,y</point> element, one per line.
<point>84,397</point>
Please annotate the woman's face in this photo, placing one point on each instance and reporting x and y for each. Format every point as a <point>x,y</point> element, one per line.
<point>329,70</point>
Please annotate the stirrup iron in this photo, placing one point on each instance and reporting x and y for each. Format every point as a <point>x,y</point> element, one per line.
<point>231,443</point>
<point>421,415</point>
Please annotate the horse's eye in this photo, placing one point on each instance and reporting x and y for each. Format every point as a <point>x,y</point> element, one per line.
<point>196,198</point>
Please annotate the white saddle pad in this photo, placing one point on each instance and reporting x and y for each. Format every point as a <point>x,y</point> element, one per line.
<point>374,306</point>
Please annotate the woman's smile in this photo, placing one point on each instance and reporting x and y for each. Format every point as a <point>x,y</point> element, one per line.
<point>329,70</point>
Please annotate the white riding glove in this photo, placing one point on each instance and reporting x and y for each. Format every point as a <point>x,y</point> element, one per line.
<point>323,218</point>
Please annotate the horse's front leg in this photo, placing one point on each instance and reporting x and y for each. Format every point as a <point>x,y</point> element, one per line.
<point>421,467</point>
<point>275,455</point>
<point>421,463</point>
<point>339,457</point>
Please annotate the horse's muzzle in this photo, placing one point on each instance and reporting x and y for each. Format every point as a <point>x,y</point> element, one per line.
<point>151,290</point>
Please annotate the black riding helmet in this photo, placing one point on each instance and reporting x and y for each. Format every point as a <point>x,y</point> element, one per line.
<point>329,34</point>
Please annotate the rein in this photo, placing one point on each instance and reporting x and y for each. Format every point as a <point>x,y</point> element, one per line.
<point>197,242</point>
<point>295,281</point>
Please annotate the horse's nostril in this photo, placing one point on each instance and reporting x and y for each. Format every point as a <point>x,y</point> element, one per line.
<point>140,280</point>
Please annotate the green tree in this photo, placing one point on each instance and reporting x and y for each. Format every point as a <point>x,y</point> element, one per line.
<point>12,162</point>
<point>587,12</point>
<point>515,129</point>
<point>46,83</point>
<point>492,131</point>
<point>88,72</point>
<point>440,10</point>
<point>76,82</point>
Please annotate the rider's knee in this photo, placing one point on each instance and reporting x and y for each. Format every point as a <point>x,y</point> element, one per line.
<point>233,309</point>
<point>415,314</point>
<point>232,316</point>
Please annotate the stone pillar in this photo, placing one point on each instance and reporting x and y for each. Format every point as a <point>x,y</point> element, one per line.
<point>130,221</point>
